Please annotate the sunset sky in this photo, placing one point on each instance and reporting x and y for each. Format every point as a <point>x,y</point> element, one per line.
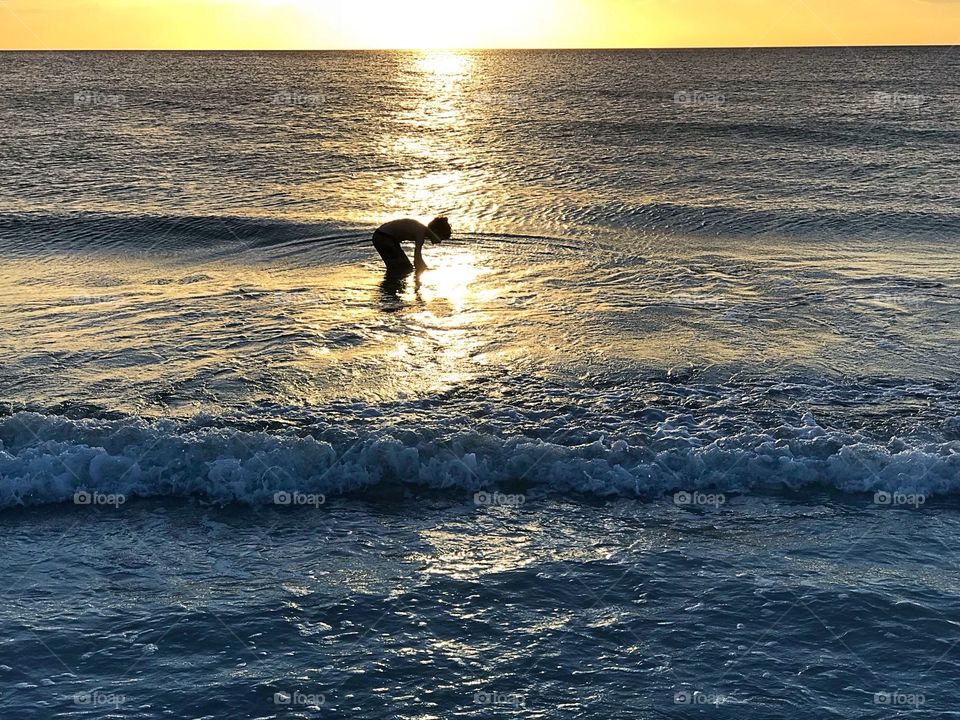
<point>336,24</point>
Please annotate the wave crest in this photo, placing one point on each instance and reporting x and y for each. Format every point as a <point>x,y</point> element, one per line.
<point>48,459</point>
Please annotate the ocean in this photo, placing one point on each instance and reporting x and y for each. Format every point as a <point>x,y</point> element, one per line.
<point>670,428</point>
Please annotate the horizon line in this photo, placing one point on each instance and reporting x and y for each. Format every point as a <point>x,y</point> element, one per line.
<point>489,49</point>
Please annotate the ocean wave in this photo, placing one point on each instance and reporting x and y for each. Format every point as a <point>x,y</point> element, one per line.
<point>830,133</point>
<point>47,459</point>
<point>33,233</point>
<point>728,220</point>
<point>36,232</point>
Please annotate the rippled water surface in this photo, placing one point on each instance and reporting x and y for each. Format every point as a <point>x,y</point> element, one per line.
<point>671,425</point>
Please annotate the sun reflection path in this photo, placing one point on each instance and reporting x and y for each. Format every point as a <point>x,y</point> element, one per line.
<point>433,143</point>
<point>433,140</point>
<point>447,66</point>
<point>452,278</point>
<point>452,317</point>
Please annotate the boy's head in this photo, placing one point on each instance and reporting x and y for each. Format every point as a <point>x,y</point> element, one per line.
<point>441,228</point>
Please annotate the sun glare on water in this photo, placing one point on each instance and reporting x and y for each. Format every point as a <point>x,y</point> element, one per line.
<point>447,322</point>
<point>432,137</point>
<point>452,279</point>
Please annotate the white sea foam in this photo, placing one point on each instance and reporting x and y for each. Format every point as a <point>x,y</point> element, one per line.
<point>49,459</point>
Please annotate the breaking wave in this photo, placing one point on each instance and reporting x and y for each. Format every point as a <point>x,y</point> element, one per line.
<point>47,459</point>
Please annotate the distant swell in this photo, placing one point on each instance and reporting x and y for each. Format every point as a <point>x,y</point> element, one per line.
<point>27,233</point>
<point>825,133</point>
<point>786,222</point>
<point>47,459</point>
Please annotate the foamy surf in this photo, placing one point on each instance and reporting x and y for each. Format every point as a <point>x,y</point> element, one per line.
<point>47,459</point>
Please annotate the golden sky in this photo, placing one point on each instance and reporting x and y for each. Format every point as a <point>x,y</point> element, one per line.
<point>336,24</point>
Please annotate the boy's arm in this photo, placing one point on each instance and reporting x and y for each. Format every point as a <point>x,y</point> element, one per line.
<point>418,261</point>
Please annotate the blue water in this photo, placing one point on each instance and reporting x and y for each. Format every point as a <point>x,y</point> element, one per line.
<point>672,426</point>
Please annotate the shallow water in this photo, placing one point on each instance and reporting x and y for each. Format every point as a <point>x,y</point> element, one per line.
<point>611,372</point>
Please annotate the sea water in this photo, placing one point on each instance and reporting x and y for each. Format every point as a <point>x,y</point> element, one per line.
<point>670,427</point>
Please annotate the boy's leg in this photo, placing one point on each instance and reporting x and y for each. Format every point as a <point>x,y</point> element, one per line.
<point>393,255</point>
